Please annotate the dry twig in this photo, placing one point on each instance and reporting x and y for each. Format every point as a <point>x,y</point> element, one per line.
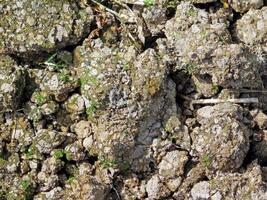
<point>215,101</point>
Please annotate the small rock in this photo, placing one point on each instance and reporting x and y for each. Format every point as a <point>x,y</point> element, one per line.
<point>245,185</point>
<point>259,149</point>
<point>88,142</point>
<point>55,193</point>
<point>33,164</point>
<point>173,164</point>
<point>245,5</point>
<point>83,129</point>
<point>75,104</point>
<point>49,108</point>
<point>47,140</point>
<point>13,163</point>
<point>47,181</point>
<point>51,83</point>
<point>261,120</point>
<point>74,151</point>
<point>86,187</point>
<point>173,184</point>
<point>156,189</point>
<point>201,190</point>
<point>222,141</point>
<point>52,165</point>
<point>204,86</point>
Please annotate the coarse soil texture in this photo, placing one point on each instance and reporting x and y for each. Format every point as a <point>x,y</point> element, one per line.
<point>133,99</point>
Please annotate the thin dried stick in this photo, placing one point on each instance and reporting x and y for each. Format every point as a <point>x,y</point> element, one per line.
<point>116,15</point>
<point>215,101</point>
<point>252,91</point>
<point>107,9</point>
<point>123,5</point>
<point>135,2</point>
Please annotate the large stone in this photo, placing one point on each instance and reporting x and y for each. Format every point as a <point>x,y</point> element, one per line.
<point>252,27</point>
<point>222,141</point>
<point>125,96</point>
<point>201,46</point>
<point>28,26</point>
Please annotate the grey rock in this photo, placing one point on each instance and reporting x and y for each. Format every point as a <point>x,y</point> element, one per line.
<point>222,141</point>
<point>251,28</point>
<point>261,120</point>
<point>75,104</point>
<point>156,189</point>
<point>83,129</point>
<point>245,5</point>
<point>201,190</point>
<point>47,140</point>
<point>41,25</point>
<point>173,164</point>
<point>12,82</point>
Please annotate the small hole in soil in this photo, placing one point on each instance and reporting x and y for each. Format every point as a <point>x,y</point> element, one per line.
<point>205,178</point>
<point>150,42</point>
<point>92,159</point>
<point>170,13</point>
<point>249,158</point>
<point>207,6</point>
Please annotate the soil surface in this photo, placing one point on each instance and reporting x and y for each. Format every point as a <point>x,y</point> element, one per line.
<point>133,99</point>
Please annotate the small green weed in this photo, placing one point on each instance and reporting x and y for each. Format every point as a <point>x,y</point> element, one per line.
<point>64,77</point>
<point>25,185</point>
<point>40,97</point>
<point>56,64</point>
<point>126,132</point>
<point>70,179</point>
<point>30,153</point>
<point>190,68</point>
<point>172,4</point>
<point>149,3</point>
<point>126,67</point>
<point>73,100</point>
<point>107,163</point>
<point>59,153</point>
<point>3,162</point>
<point>206,160</point>
<point>213,184</point>
<point>87,78</point>
<point>223,39</point>
<point>27,189</point>
<point>215,89</point>
<point>90,111</point>
<point>225,4</point>
<point>192,12</point>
